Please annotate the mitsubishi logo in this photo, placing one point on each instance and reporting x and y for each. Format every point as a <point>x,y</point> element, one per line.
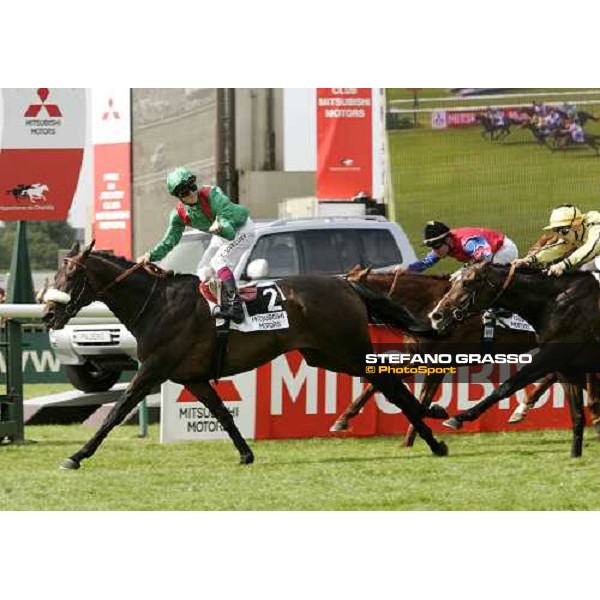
<point>34,109</point>
<point>110,111</point>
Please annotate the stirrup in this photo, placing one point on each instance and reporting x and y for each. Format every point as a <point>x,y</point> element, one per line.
<point>235,312</point>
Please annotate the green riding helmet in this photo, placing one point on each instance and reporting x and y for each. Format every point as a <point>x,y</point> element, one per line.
<point>177,177</point>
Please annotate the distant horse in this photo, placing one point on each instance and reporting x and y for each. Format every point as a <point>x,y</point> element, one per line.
<point>563,140</point>
<point>581,116</point>
<point>177,338</point>
<point>564,311</point>
<point>494,130</point>
<point>419,294</point>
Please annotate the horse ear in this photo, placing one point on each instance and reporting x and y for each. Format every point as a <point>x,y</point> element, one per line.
<point>87,251</point>
<point>74,249</point>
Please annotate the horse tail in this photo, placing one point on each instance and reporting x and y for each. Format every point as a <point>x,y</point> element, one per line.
<point>390,312</point>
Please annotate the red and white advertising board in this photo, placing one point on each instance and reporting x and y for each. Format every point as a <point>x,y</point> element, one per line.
<point>42,140</point>
<point>111,137</point>
<point>288,399</point>
<point>350,154</point>
<point>441,119</point>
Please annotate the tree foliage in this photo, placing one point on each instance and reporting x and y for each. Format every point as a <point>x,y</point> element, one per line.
<point>44,239</point>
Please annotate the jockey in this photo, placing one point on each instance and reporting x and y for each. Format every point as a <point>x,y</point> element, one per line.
<point>570,110</point>
<point>497,116</point>
<point>576,132</point>
<point>540,109</point>
<point>578,241</point>
<point>208,209</point>
<point>464,244</point>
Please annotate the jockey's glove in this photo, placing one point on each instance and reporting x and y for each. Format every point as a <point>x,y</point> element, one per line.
<point>558,269</point>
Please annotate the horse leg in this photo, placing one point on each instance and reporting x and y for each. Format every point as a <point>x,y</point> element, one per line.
<point>593,390</point>
<point>537,368</point>
<point>430,387</point>
<point>206,394</point>
<point>575,399</point>
<point>144,380</point>
<point>341,423</point>
<point>396,392</point>
<point>521,411</point>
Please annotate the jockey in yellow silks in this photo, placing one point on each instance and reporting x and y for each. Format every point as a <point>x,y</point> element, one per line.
<point>578,241</point>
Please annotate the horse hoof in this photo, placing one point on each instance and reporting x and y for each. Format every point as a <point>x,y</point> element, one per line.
<point>518,415</point>
<point>453,423</point>
<point>69,465</point>
<point>246,459</point>
<point>338,426</point>
<point>435,411</point>
<point>441,449</point>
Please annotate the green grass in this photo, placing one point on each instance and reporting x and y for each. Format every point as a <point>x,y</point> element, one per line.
<point>509,471</point>
<point>455,176</point>
<point>33,390</point>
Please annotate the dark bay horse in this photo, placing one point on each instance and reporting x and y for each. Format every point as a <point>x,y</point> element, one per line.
<point>176,335</point>
<point>420,293</point>
<point>564,311</point>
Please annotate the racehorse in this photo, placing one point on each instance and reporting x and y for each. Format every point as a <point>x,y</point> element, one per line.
<point>564,312</point>
<point>176,335</point>
<point>581,116</point>
<point>540,134</point>
<point>494,130</point>
<point>419,294</point>
<point>563,140</point>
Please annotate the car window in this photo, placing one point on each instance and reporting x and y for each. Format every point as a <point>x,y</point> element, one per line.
<point>379,247</point>
<point>184,258</point>
<point>280,251</point>
<point>321,251</point>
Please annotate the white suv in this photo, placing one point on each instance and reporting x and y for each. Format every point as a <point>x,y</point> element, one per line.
<point>94,355</point>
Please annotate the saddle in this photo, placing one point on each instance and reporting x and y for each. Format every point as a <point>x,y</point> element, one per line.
<point>211,291</point>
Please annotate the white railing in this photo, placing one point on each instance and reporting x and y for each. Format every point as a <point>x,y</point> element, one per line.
<point>93,312</point>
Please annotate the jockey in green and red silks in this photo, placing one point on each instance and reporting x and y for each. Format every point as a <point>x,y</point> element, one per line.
<point>207,208</point>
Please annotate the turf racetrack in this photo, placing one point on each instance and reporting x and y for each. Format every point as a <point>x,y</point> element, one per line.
<point>507,471</point>
<point>456,176</point>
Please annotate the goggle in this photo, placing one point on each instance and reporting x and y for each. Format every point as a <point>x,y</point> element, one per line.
<point>562,230</point>
<point>183,190</point>
<point>435,245</point>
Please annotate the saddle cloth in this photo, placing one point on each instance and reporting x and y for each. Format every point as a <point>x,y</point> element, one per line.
<point>262,302</point>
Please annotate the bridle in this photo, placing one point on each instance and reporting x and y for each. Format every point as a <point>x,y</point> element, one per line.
<point>73,307</point>
<point>462,312</point>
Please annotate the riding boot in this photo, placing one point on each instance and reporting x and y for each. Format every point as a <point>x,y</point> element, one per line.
<point>231,305</point>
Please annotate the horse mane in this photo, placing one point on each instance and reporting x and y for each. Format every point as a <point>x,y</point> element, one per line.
<point>121,261</point>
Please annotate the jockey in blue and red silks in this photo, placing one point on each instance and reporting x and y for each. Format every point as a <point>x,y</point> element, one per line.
<point>464,244</point>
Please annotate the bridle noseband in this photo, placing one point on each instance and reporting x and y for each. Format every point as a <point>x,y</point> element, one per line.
<point>461,312</point>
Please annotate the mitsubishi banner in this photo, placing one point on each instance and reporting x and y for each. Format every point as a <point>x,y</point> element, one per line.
<point>42,140</point>
<point>350,152</point>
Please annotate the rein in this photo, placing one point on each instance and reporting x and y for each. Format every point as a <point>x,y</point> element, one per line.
<point>398,273</point>
<point>461,313</point>
<point>153,270</point>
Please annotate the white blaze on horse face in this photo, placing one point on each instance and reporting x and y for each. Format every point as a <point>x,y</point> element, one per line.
<point>54,295</point>
<point>436,311</point>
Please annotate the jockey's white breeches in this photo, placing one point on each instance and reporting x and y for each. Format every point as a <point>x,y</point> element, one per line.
<point>226,253</point>
<point>506,253</point>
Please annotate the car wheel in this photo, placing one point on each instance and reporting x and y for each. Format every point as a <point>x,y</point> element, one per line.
<point>89,378</point>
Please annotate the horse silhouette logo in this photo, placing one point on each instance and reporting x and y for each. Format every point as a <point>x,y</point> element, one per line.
<point>35,192</point>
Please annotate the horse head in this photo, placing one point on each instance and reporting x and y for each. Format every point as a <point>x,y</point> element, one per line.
<point>71,290</point>
<point>474,290</point>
